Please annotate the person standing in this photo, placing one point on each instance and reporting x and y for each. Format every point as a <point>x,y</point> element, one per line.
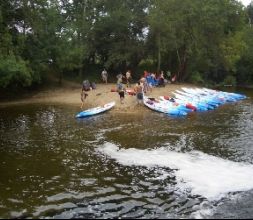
<point>121,90</point>
<point>83,95</point>
<point>161,79</point>
<point>139,92</point>
<point>174,78</point>
<point>104,76</point>
<point>128,78</point>
<point>168,73</point>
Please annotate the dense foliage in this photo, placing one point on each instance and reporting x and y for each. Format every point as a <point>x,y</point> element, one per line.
<point>202,41</point>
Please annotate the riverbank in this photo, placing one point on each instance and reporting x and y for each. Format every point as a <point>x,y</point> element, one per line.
<point>69,94</point>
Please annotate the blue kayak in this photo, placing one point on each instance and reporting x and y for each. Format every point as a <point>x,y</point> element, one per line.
<point>95,111</point>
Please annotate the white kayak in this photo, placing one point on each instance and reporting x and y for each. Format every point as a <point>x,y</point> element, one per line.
<point>162,106</point>
<point>95,111</point>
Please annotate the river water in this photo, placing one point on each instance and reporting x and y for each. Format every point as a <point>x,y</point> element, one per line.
<point>126,166</point>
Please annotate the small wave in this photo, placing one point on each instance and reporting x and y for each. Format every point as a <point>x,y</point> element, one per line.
<point>205,175</point>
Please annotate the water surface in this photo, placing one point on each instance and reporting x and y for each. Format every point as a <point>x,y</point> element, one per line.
<point>126,166</point>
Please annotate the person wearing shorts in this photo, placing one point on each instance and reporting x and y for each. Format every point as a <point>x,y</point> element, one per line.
<point>121,91</point>
<point>83,96</point>
<point>139,92</point>
<point>121,96</point>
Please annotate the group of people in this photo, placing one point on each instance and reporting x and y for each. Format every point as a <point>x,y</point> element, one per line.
<point>144,85</point>
<point>122,90</point>
<point>128,77</point>
<point>155,79</point>
<point>120,87</point>
<point>139,89</point>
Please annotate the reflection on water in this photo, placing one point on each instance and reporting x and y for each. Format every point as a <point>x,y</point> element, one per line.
<point>116,166</point>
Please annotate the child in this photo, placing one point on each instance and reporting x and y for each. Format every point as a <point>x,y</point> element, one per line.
<point>121,91</point>
<point>83,96</point>
<point>139,92</point>
<point>128,78</point>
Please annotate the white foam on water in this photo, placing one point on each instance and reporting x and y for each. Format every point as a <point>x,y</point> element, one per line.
<point>204,175</point>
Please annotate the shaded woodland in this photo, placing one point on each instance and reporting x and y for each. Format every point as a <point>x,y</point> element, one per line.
<point>207,42</point>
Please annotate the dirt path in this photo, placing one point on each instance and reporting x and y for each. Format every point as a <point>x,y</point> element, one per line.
<point>70,95</point>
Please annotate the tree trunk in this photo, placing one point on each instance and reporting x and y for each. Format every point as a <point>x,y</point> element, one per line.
<point>181,74</point>
<point>183,70</point>
<point>159,52</point>
<point>81,34</point>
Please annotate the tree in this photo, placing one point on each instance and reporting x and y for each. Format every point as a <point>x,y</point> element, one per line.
<point>250,13</point>
<point>116,37</point>
<point>245,64</point>
<point>41,37</point>
<point>196,32</point>
<point>14,70</point>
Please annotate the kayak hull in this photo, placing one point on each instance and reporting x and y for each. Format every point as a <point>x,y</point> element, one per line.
<point>95,111</point>
<point>163,108</point>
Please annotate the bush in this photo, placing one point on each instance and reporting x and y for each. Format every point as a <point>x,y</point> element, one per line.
<point>229,80</point>
<point>14,72</point>
<point>196,78</point>
<point>148,65</point>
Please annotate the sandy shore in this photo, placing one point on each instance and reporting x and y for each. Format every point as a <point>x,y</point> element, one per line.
<point>70,95</point>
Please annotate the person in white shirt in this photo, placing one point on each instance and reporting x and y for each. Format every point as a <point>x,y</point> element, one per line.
<point>104,76</point>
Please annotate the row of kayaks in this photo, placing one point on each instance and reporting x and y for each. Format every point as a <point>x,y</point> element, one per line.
<point>191,99</point>
<point>184,101</point>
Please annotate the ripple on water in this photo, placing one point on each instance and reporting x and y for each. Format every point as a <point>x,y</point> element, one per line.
<point>63,169</point>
